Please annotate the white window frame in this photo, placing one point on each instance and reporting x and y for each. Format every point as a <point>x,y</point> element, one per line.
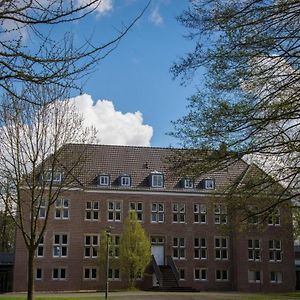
<point>252,278</point>
<point>104,180</point>
<point>254,249</point>
<point>275,249</point>
<point>201,277</point>
<point>42,207</point>
<point>125,180</point>
<point>200,210</point>
<point>178,213</point>
<point>209,184</point>
<point>199,247</point>
<point>59,271</point>
<point>222,277</point>
<point>157,210</point>
<point>60,245</point>
<point>188,183</point>
<point>41,245</point>
<point>36,273</point>
<point>54,176</point>
<point>112,274</point>
<point>93,210</point>
<point>157,180</point>
<point>274,218</point>
<point>93,247</point>
<point>90,273</point>
<point>115,246</point>
<point>60,208</point>
<point>220,214</point>
<point>278,277</point>
<point>114,210</point>
<point>179,247</point>
<point>137,206</point>
<point>221,249</point>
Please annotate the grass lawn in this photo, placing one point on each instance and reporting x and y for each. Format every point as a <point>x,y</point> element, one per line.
<point>161,296</point>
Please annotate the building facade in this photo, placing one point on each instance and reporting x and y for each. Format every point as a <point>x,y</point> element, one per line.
<point>186,220</point>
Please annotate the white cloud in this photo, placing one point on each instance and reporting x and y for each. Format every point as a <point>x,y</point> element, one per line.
<point>114,127</point>
<point>155,16</point>
<point>102,7</point>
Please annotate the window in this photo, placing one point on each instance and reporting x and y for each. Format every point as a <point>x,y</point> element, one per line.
<point>91,244</point>
<point>276,277</point>
<point>220,211</point>
<point>157,213</point>
<point>254,250</point>
<point>125,180</point>
<point>221,248</point>
<point>52,176</point>
<point>42,208</point>
<point>181,274</point>
<point>115,246</point>
<point>62,209</point>
<point>114,274</point>
<point>188,183</point>
<point>222,275</point>
<point>60,245</point>
<point>114,211</point>
<point>157,240</point>
<point>200,213</point>
<point>38,274</point>
<point>252,216</point>
<point>92,210</point>
<point>208,184</point>
<point>90,273</point>
<point>200,248</point>
<point>178,247</point>
<point>275,253</point>
<point>274,218</point>
<point>178,213</point>
<point>157,180</point>
<point>138,208</point>
<point>40,248</point>
<point>254,276</point>
<point>200,274</point>
<point>59,274</point>
<point>104,180</point>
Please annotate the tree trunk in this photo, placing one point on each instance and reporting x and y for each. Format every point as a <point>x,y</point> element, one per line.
<point>30,282</point>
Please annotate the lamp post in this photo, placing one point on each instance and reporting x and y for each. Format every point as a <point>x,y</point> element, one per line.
<point>108,232</point>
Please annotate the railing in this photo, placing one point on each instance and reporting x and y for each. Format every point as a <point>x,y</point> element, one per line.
<point>171,264</point>
<point>156,270</point>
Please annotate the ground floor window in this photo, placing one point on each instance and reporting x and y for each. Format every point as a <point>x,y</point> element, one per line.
<point>90,273</point>
<point>276,277</point>
<point>200,274</point>
<point>114,274</point>
<point>38,274</point>
<point>222,275</point>
<point>254,276</point>
<point>59,274</point>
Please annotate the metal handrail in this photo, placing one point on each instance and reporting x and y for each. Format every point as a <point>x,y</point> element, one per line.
<point>173,267</point>
<point>156,270</point>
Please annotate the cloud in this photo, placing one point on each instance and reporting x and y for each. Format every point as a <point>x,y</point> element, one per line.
<point>101,7</point>
<point>114,127</point>
<point>155,16</point>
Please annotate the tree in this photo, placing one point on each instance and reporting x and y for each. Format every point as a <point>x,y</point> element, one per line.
<point>7,234</point>
<point>248,53</point>
<point>35,168</point>
<point>37,47</point>
<point>135,249</point>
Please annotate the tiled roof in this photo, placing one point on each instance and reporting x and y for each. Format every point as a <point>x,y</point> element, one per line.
<point>139,162</point>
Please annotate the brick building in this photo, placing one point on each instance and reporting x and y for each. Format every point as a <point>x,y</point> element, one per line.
<point>184,218</point>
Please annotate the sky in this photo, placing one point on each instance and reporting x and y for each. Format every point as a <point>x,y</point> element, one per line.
<point>131,97</point>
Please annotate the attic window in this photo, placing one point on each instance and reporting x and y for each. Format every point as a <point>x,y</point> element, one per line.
<point>125,180</point>
<point>209,184</point>
<point>157,179</point>
<point>52,176</point>
<point>104,180</point>
<point>188,183</point>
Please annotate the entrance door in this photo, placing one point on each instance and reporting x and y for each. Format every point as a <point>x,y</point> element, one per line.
<point>158,252</point>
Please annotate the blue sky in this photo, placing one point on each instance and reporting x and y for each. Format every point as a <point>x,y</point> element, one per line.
<point>135,76</point>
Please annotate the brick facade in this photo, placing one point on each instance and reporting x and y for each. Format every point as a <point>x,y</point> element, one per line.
<point>206,255</point>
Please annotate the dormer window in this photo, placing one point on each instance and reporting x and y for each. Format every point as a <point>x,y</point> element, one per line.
<point>104,180</point>
<point>125,180</point>
<point>209,184</point>
<point>54,176</point>
<point>157,179</point>
<point>188,183</point>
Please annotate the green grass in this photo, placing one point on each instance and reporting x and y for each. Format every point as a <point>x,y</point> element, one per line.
<point>50,298</point>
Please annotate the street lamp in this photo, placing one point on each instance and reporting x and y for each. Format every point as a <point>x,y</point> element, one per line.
<point>108,232</point>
